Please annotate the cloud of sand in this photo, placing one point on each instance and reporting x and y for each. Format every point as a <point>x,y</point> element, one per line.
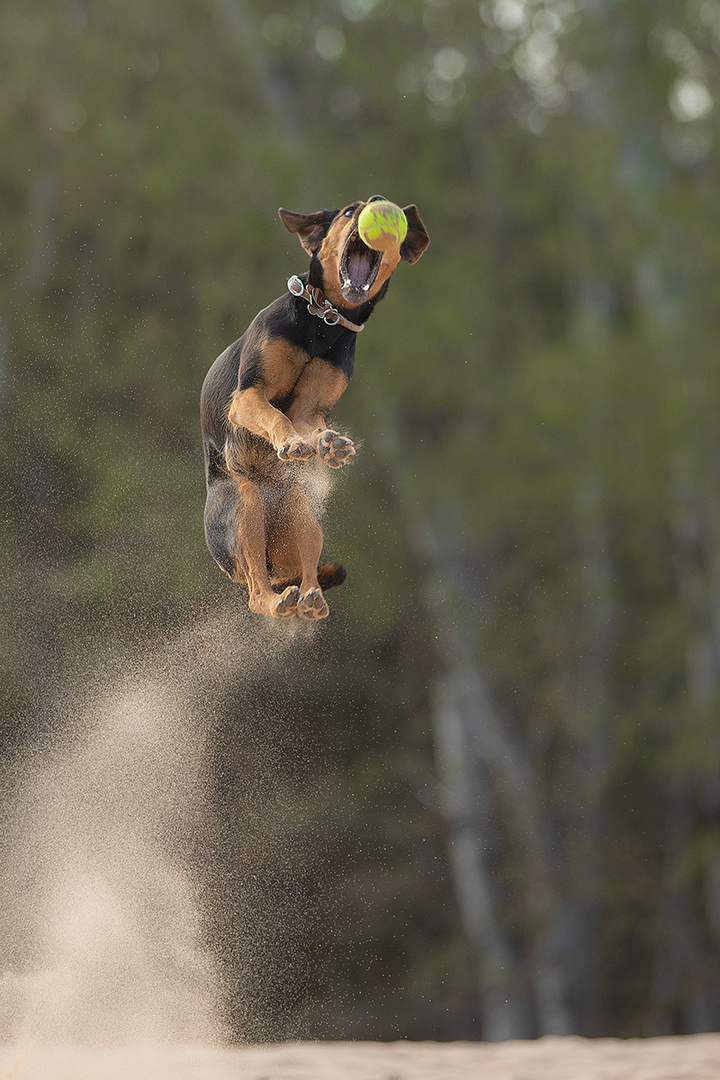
<point>100,924</point>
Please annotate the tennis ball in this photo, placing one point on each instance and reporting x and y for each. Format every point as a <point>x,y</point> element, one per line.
<point>382,225</point>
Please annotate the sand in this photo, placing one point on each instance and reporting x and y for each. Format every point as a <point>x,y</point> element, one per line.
<point>694,1057</point>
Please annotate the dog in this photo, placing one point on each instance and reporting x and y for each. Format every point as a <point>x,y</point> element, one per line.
<point>265,407</point>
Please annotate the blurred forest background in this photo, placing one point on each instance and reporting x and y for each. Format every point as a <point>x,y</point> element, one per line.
<point>484,799</point>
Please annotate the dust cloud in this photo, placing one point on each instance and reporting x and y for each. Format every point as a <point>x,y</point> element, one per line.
<point>101,920</point>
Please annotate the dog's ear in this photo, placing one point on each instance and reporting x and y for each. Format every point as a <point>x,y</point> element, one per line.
<point>417,238</point>
<point>311,228</point>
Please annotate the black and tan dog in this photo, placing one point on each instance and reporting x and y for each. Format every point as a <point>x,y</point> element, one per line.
<point>265,406</point>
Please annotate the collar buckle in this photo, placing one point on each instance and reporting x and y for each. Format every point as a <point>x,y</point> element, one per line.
<point>319,306</point>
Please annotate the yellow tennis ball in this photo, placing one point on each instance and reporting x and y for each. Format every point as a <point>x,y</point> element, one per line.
<point>382,225</point>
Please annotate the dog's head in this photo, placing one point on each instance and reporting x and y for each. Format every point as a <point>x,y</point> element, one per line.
<point>353,273</point>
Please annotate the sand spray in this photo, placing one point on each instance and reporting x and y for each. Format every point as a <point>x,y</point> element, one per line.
<point>100,917</point>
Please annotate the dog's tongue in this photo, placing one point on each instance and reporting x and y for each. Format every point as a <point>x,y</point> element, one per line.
<point>358,268</point>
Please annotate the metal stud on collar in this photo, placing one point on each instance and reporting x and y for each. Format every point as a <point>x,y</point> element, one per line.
<point>318,305</point>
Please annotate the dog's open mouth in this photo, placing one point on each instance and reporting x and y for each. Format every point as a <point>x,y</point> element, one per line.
<point>359,266</point>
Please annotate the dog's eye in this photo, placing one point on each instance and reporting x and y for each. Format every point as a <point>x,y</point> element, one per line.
<point>350,212</point>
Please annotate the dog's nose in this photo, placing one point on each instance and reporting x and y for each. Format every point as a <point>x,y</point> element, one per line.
<point>377,198</point>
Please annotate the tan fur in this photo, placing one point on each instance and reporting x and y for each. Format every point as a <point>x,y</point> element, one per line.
<point>320,388</point>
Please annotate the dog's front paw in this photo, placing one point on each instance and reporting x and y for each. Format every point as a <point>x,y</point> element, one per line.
<point>295,449</point>
<point>334,449</point>
<point>313,605</point>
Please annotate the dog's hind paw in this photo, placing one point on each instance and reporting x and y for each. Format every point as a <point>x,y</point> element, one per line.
<point>288,604</point>
<point>334,449</point>
<point>295,450</point>
<point>312,605</point>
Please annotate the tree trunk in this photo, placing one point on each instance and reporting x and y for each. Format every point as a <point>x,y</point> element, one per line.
<point>461,706</point>
<point>488,780</point>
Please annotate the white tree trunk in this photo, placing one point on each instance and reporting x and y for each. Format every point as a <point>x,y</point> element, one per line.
<point>485,773</point>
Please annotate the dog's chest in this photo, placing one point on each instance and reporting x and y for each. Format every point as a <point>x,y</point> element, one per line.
<point>293,375</point>
<point>284,367</point>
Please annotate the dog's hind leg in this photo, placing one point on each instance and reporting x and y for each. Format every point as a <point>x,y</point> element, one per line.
<point>221,526</point>
<point>235,535</point>
<point>252,551</point>
<point>297,542</point>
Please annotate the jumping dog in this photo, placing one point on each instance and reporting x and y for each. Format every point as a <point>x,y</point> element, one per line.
<point>265,407</point>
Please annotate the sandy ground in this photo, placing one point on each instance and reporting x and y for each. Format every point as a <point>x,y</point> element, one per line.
<point>695,1057</point>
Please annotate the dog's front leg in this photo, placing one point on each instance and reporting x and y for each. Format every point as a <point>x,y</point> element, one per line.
<point>333,448</point>
<point>316,395</point>
<point>251,409</point>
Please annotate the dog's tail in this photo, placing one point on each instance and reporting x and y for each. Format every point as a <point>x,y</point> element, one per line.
<point>329,575</point>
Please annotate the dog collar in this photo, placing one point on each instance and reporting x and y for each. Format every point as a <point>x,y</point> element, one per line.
<point>318,305</point>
